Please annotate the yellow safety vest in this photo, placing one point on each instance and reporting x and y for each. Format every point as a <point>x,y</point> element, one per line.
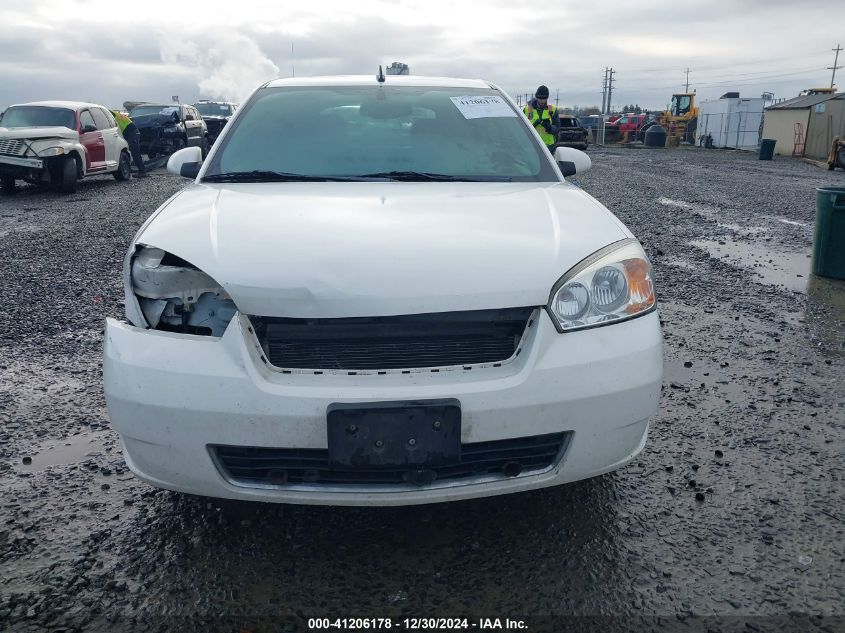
<point>535,118</point>
<point>123,121</point>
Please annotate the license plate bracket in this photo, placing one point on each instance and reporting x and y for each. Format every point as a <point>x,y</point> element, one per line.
<point>394,434</point>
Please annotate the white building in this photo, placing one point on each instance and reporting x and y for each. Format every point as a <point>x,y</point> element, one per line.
<point>732,122</point>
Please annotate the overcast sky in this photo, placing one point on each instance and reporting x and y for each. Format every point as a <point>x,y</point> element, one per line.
<point>110,52</point>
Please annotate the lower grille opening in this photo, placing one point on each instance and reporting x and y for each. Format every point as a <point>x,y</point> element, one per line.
<point>281,466</point>
<point>441,339</point>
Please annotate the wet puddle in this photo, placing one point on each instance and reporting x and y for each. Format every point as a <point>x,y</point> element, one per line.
<point>699,209</point>
<point>712,213</point>
<point>8,227</point>
<point>776,268</point>
<point>71,450</point>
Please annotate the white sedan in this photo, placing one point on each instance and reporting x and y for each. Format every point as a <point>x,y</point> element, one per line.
<point>381,291</point>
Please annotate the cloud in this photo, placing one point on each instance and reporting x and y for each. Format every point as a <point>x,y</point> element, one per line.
<point>229,65</point>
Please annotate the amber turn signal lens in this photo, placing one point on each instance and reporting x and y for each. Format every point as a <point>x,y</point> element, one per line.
<point>640,286</point>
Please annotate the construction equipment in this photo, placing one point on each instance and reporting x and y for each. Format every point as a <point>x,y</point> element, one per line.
<point>680,120</point>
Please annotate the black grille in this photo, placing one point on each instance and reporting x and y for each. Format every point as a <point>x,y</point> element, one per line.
<point>215,126</point>
<point>279,466</point>
<point>396,342</point>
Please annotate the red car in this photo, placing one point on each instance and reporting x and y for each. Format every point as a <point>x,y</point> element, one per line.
<point>631,122</point>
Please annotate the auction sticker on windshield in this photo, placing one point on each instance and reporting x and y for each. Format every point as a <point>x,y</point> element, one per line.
<point>480,107</point>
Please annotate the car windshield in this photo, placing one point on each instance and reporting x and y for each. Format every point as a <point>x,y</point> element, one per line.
<point>153,109</point>
<point>39,116</point>
<point>214,109</point>
<point>402,132</point>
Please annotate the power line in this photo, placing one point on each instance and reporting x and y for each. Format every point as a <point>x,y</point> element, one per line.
<point>730,82</point>
<point>728,65</point>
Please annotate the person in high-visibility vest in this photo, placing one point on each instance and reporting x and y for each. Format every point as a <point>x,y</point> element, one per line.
<point>543,116</point>
<point>132,135</point>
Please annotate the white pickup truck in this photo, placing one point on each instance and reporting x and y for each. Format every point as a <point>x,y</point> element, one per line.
<point>59,142</point>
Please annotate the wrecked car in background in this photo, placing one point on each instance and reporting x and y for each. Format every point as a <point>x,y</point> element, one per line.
<point>59,142</point>
<point>381,294</point>
<point>167,128</point>
<point>215,114</point>
<point>571,133</point>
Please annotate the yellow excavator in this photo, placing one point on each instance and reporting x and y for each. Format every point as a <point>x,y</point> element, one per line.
<point>680,120</point>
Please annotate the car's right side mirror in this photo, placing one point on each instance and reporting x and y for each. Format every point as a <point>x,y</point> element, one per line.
<point>572,161</point>
<point>186,162</point>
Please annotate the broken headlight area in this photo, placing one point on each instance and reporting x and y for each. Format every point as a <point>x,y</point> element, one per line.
<point>176,296</point>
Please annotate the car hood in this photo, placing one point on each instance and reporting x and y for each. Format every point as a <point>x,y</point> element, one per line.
<point>377,249</point>
<point>34,133</point>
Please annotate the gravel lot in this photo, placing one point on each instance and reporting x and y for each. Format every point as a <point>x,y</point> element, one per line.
<point>733,518</point>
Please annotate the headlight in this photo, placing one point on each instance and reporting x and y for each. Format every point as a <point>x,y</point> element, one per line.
<point>170,130</point>
<point>609,286</point>
<point>176,296</point>
<point>51,151</point>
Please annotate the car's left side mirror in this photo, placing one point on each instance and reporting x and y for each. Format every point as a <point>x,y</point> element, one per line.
<point>186,162</point>
<point>572,161</point>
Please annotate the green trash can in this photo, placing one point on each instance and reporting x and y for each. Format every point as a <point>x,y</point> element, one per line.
<point>767,149</point>
<point>829,236</point>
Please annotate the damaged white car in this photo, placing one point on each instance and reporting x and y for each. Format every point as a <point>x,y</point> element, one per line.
<point>381,291</point>
<point>59,142</point>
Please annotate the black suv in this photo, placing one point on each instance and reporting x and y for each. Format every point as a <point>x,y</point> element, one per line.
<point>166,128</point>
<point>215,114</point>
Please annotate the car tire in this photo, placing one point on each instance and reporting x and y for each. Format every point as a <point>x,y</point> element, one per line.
<point>204,146</point>
<point>65,175</point>
<point>124,168</point>
<point>840,157</point>
<point>180,143</point>
<point>7,185</point>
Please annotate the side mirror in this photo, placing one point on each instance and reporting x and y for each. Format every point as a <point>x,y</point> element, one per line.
<point>88,128</point>
<point>186,162</point>
<point>572,161</point>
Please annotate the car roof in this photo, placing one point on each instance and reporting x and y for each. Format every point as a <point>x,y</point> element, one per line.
<point>370,80</point>
<point>72,105</point>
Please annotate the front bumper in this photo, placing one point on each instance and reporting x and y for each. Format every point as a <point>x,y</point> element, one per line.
<point>157,142</point>
<point>19,161</point>
<point>171,397</point>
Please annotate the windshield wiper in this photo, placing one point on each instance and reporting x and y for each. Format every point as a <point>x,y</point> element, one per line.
<point>422,176</point>
<point>257,175</point>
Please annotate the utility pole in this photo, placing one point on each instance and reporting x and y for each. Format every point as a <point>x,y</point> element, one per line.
<point>834,68</point>
<point>557,97</point>
<point>610,88</point>
<point>687,88</point>
<point>604,93</point>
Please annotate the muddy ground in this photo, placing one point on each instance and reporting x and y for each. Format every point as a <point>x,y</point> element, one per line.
<point>733,518</point>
